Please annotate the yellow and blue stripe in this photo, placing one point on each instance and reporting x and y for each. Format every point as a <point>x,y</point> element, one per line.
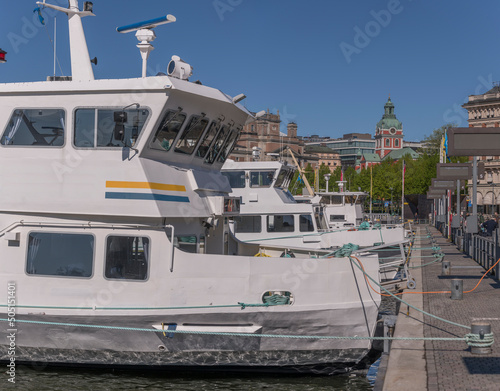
<point>145,196</point>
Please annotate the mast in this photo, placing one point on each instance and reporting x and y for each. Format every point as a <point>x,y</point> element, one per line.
<point>81,68</point>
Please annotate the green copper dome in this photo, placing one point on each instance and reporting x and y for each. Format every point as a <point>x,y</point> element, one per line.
<point>389,119</point>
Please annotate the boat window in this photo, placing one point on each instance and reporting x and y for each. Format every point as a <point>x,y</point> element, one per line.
<point>319,215</point>
<point>186,243</point>
<point>170,126</point>
<point>207,139</point>
<point>127,257</point>
<point>280,223</point>
<point>334,218</point>
<point>115,128</point>
<point>189,139</point>
<point>236,178</point>
<point>217,145</point>
<point>261,178</point>
<point>229,145</point>
<point>55,254</point>
<point>306,223</point>
<point>281,178</point>
<point>331,200</point>
<point>248,224</point>
<point>35,127</point>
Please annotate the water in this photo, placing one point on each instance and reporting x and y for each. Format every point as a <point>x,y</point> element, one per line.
<point>94,380</point>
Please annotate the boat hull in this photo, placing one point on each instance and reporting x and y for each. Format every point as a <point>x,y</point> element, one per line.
<point>56,343</point>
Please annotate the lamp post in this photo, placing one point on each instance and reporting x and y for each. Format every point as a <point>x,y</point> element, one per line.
<point>327,179</point>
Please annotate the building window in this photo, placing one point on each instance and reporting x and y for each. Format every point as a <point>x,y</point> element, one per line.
<point>280,223</point>
<point>396,143</point>
<point>127,257</point>
<point>35,127</point>
<point>64,255</point>
<point>387,142</point>
<point>248,224</point>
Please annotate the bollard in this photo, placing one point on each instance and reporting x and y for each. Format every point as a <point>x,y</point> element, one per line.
<point>480,328</point>
<point>457,289</point>
<point>446,268</point>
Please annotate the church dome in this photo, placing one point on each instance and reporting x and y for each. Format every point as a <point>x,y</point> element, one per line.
<point>389,119</point>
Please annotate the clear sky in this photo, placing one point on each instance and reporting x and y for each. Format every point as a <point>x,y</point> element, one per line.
<point>328,65</point>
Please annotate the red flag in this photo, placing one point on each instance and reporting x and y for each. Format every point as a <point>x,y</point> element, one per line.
<point>342,175</point>
<point>404,168</point>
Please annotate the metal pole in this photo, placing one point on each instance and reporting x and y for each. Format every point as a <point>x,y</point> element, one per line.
<point>474,188</point>
<point>458,197</point>
<point>403,196</point>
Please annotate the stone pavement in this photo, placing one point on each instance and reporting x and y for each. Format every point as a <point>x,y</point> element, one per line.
<point>451,365</point>
<point>448,365</point>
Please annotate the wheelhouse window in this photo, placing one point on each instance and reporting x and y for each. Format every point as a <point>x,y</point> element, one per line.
<point>229,145</point>
<point>236,178</point>
<point>306,223</point>
<point>108,128</point>
<point>35,127</point>
<point>207,139</point>
<point>217,145</point>
<point>127,257</point>
<point>261,178</point>
<point>186,243</point>
<point>337,218</point>
<point>168,130</point>
<point>189,139</point>
<point>56,254</point>
<point>248,224</point>
<point>280,223</point>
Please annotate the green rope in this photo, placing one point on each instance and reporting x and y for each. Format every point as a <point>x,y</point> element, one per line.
<point>364,226</point>
<point>408,304</point>
<point>227,334</point>
<point>239,305</point>
<point>475,340</point>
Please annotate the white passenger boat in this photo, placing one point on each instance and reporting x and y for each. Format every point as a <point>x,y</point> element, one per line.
<point>115,242</point>
<point>271,215</point>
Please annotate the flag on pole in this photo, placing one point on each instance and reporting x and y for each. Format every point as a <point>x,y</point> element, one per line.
<point>40,17</point>
<point>341,175</point>
<point>404,168</point>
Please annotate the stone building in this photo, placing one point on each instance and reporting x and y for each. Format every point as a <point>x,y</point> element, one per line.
<point>326,156</point>
<point>484,111</point>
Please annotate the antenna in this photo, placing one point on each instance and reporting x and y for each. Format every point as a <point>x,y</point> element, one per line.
<point>146,35</point>
<point>81,69</point>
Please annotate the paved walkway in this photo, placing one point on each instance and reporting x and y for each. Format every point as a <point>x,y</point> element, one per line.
<point>449,365</point>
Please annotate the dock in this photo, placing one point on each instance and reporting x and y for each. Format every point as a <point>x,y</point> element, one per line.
<point>443,365</point>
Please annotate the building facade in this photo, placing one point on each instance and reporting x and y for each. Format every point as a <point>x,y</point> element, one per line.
<point>484,111</point>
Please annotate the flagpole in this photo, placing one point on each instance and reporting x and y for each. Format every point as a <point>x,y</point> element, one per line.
<point>371,191</point>
<point>403,196</point>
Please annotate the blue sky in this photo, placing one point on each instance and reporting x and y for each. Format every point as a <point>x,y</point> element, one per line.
<point>328,65</point>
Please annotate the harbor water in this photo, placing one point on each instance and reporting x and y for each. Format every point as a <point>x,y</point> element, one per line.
<point>28,379</point>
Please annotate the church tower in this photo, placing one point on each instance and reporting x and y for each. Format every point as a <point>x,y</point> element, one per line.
<point>389,132</point>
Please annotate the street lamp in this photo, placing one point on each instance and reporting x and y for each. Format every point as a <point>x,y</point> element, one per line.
<point>327,178</point>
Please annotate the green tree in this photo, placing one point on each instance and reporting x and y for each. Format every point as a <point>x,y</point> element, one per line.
<point>433,142</point>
